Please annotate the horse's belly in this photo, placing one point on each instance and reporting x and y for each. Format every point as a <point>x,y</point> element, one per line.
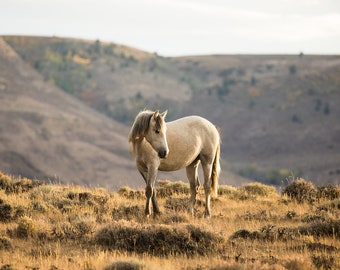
<point>175,164</point>
<point>170,167</point>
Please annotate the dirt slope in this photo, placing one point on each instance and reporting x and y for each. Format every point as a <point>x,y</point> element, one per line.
<point>48,134</point>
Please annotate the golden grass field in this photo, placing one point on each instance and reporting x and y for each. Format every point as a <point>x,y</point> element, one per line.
<point>50,226</point>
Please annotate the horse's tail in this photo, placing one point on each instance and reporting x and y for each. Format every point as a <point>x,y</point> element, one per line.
<point>216,169</point>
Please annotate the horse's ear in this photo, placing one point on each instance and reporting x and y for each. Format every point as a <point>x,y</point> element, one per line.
<point>163,114</point>
<point>156,114</point>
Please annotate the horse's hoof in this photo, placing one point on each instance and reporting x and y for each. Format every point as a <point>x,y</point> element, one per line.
<point>207,215</point>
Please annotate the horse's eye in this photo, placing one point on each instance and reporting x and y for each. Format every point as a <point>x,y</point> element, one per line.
<point>157,131</point>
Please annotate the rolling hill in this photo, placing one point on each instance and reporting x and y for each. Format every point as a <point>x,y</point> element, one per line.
<point>278,114</point>
<point>274,111</point>
<point>48,134</point>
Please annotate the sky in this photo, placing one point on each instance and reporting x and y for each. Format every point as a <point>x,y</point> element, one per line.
<point>184,27</point>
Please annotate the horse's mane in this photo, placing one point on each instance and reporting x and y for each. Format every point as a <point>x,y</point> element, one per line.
<point>141,125</point>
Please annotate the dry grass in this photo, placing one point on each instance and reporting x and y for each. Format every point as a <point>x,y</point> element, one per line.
<point>252,227</point>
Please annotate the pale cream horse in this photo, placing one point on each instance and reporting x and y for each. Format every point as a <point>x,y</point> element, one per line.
<point>156,145</point>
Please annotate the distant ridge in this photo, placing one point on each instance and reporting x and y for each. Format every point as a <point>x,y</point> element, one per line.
<point>278,114</point>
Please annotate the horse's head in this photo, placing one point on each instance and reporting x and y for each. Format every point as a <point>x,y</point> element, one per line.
<point>156,134</point>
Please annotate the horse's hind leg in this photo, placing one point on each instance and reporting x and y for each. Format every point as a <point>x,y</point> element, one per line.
<point>194,183</point>
<point>207,170</point>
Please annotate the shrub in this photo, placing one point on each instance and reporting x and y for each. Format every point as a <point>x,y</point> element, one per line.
<point>127,212</point>
<point>176,218</point>
<point>167,188</point>
<point>328,192</point>
<point>79,230</point>
<point>84,228</point>
<point>159,240</point>
<point>226,190</point>
<point>64,205</point>
<point>323,261</point>
<point>85,196</point>
<point>271,232</point>
<point>312,218</point>
<point>38,206</point>
<point>244,234</point>
<point>5,243</point>
<point>328,228</point>
<point>72,195</point>
<point>259,189</point>
<point>19,185</point>
<point>125,265</point>
<point>47,251</point>
<point>330,205</point>
<point>266,233</point>
<point>129,193</point>
<point>177,204</point>
<point>298,264</point>
<point>5,181</point>
<point>7,267</point>
<point>259,215</point>
<point>6,211</point>
<point>19,212</point>
<point>26,228</point>
<point>25,184</point>
<point>301,191</point>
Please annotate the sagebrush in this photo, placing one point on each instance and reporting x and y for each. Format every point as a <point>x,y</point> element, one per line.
<point>252,227</point>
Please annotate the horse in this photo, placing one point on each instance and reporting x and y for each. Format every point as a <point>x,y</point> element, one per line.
<point>183,143</point>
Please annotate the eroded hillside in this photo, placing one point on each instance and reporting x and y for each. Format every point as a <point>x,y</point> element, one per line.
<point>48,134</point>
<point>278,114</point>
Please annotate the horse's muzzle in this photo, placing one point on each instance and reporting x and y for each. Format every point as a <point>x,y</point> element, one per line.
<point>163,153</point>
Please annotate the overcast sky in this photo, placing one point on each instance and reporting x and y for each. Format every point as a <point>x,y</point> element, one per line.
<point>184,27</point>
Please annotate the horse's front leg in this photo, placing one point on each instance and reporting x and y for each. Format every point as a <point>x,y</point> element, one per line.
<point>155,206</point>
<point>150,193</point>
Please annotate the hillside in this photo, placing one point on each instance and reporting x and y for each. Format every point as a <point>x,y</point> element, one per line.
<point>48,134</point>
<point>278,114</point>
<point>46,226</point>
<point>116,80</point>
<point>275,112</point>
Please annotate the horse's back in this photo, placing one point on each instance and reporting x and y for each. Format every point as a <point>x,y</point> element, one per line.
<point>193,126</point>
<point>187,138</point>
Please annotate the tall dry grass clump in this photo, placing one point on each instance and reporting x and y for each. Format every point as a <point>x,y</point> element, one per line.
<point>159,240</point>
<point>301,191</point>
<point>10,184</point>
<point>328,192</point>
<point>258,189</point>
<point>125,265</point>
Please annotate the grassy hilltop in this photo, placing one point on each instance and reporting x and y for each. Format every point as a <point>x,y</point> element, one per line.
<point>50,226</point>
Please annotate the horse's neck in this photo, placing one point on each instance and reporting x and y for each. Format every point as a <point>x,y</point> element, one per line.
<point>140,145</point>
